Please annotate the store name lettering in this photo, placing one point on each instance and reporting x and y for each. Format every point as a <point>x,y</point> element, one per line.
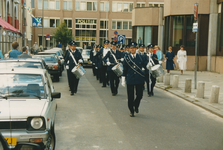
<point>86,21</point>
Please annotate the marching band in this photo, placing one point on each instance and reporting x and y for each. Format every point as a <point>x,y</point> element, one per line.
<point>133,66</point>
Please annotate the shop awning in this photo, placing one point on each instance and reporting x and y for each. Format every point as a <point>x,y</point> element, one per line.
<point>7,26</point>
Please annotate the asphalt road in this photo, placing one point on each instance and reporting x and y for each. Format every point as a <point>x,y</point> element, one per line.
<point>93,119</point>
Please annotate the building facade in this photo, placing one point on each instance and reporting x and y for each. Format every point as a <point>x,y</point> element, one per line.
<point>90,21</point>
<point>13,12</point>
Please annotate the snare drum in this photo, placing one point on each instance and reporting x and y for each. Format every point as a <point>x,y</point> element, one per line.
<point>118,69</point>
<point>78,71</point>
<point>157,71</point>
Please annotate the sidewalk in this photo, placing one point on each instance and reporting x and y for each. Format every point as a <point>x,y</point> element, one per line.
<point>209,78</point>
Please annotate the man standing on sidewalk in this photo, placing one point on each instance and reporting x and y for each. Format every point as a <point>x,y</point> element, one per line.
<point>15,52</point>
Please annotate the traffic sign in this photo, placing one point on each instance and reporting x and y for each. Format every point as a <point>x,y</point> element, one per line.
<point>115,32</point>
<point>195,27</point>
<point>121,39</point>
<point>47,37</point>
<point>37,21</point>
<point>115,38</point>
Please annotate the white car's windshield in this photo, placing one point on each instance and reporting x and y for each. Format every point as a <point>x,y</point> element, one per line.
<point>85,52</point>
<point>21,65</point>
<point>21,85</point>
<point>47,58</point>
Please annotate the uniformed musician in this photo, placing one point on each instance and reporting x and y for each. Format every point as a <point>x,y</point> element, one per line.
<point>134,77</point>
<point>111,59</point>
<point>66,64</point>
<point>103,52</point>
<point>74,57</point>
<point>151,81</point>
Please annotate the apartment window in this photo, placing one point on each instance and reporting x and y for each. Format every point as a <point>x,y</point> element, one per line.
<point>156,4</point>
<point>46,23</point>
<point>45,4</point>
<point>122,6</point>
<point>86,6</point>
<point>119,25</point>
<point>67,5</point>
<point>104,6</point>
<point>39,4</point>
<point>68,22</point>
<point>32,4</point>
<point>57,5</point>
<point>140,4</point>
<point>52,4</point>
<point>54,23</point>
<point>103,24</point>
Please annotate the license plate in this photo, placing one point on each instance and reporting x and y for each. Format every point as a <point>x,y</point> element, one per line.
<point>89,63</point>
<point>11,140</point>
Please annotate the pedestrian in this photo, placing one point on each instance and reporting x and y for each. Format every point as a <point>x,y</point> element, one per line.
<point>35,48</point>
<point>151,80</point>
<point>14,52</point>
<point>74,57</point>
<point>134,78</point>
<point>111,59</point>
<point>182,59</point>
<point>103,52</point>
<point>24,53</point>
<point>85,46</point>
<point>169,59</point>
<point>1,55</point>
<point>59,45</point>
<point>159,54</point>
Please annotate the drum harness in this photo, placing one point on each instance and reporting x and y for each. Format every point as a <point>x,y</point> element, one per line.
<point>134,65</point>
<point>73,59</point>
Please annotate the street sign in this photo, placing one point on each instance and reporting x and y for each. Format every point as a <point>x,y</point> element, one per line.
<point>195,27</point>
<point>121,39</point>
<point>195,11</point>
<point>115,32</point>
<point>115,38</point>
<point>37,21</point>
<point>47,37</point>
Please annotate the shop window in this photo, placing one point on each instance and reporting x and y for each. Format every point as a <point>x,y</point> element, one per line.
<point>190,36</point>
<point>178,23</point>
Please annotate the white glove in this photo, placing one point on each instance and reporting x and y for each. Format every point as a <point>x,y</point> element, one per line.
<point>93,63</point>
<point>96,67</point>
<point>80,61</point>
<point>123,82</point>
<point>143,69</point>
<point>148,66</point>
<point>122,59</point>
<point>67,67</point>
<point>108,63</point>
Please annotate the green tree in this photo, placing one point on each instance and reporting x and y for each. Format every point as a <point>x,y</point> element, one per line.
<point>63,35</point>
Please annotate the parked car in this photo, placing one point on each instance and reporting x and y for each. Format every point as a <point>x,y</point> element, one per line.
<point>80,49</point>
<point>59,54</point>
<point>58,59</point>
<point>28,107</point>
<point>22,63</point>
<point>51,64</point>
<point>60,49</point>
<point>86,56</point>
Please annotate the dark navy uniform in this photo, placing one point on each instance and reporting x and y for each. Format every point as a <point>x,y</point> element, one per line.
<point>113,78</point>
<point>73,81</point>
<point>135,79</point>
<point>92,58</point>
<point>104,74</point>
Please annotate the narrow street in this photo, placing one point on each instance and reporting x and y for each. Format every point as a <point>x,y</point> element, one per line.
<point>94,119</point>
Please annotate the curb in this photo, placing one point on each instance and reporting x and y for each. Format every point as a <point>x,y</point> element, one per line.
<point>193,101</point>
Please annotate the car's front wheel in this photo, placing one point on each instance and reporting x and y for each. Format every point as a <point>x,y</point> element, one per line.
<point>51,142</point>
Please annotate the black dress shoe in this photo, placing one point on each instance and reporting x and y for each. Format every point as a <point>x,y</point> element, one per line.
<point>152,94</point>
<point>132,115</point>
<point>103,86</point>
<point>136,110</point>
<point>114,94</point>
<point>149,95</point>
<point>71,93</point>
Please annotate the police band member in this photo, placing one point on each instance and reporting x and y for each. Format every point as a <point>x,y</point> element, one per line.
<point>103,52</point>
<point>92,58</point>
<point>74,57</point>
<point>67,63</point>
<point>134,78</point>
<point>151,81</point>
<point>111,59</point>
<point>98,63</point>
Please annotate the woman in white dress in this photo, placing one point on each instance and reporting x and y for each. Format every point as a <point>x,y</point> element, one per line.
<point>182,59</point>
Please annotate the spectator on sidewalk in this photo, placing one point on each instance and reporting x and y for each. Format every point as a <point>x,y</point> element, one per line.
<point>182,59</point>
<point>35,48</point>
<point>169,59</point>
<point>159,54</point>
<point>1,56</point>
<point>15,52</point>
<point>59,45</point>
<point>24,53</point>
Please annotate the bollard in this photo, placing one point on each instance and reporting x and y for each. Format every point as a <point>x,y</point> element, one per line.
<point>175,81</point>
<point>200,89</point>
<point>188,85</point>
<point>160,79</point>
<point>214,94</point>
<point>167,79</point>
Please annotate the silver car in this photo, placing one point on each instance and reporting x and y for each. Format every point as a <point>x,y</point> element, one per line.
<point>86,56</point>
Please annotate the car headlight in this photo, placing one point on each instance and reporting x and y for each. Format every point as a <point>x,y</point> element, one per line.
<point>36,123</point>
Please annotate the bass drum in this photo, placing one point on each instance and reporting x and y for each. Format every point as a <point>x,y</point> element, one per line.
<point>157,71</point>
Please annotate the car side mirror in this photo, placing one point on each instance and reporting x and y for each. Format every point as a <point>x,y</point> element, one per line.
<point>56,95</point>
<point>31,146</point>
